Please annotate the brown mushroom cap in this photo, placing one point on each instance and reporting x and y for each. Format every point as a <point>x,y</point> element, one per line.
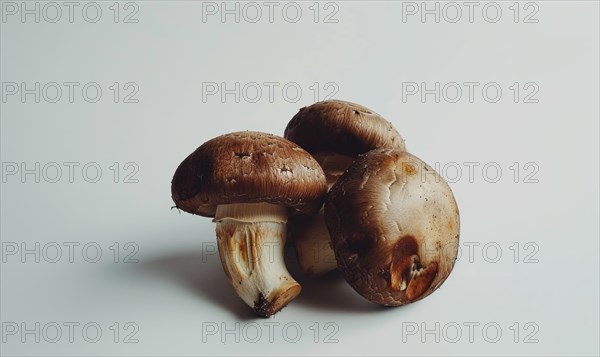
<point>341,127</point>
<point>248,167</point>
<point>394,226</point>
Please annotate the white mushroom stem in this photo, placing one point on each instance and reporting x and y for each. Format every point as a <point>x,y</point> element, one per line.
<point>251,239</point>
<point>315,255</point>
<point>311,237</point>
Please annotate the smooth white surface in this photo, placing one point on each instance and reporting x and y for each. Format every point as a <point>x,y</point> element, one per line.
<point>177,293</point>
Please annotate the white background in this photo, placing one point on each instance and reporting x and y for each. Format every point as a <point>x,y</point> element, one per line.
<point>527,278</point>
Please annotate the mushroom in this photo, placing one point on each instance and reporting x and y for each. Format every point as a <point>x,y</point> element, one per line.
<point>335,132</point>
<point>394,226</point>
<point>250,182</point>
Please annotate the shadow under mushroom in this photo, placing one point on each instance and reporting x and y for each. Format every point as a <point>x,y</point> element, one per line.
<point>201,273</point>
<point>329,292</point>
<point>202,276</point>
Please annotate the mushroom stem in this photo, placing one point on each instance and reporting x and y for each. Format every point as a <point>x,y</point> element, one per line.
<point>251,239</point>
<point>313,244</point>
<point>311,237</point>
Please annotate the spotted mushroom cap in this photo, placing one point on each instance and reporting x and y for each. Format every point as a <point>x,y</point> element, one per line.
<point>394,225</point>
<point>341,127</point>
<point>248,167</point>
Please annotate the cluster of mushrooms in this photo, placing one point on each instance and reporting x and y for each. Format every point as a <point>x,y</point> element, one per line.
<point>341,185</point>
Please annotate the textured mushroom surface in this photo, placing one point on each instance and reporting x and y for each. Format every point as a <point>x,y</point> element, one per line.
<point>394,225</point>
<point>250,182</point>
<point>341,127</point>
<point>335,132</point>
<point>248,167</point>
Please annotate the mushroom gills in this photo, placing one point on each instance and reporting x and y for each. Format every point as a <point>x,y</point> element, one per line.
<point>333,165</point>
<point>251,239</point>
